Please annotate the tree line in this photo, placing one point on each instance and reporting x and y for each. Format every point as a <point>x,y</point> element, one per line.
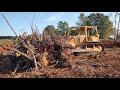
<point>7,37</point>
<point>102,21</point>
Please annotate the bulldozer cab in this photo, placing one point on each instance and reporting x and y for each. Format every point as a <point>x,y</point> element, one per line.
<point>90,33</point>
<point>73,31</point>
<point>86,33</point>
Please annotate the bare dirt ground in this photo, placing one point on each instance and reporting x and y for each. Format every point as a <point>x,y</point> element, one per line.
<point>101,65</point>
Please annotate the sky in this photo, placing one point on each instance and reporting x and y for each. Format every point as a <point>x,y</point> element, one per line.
<point>20,21</point>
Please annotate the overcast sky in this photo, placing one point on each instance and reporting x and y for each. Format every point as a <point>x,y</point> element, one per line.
<point>20,21</point>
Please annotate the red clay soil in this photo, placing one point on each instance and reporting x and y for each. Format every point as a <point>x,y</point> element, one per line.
<point>102,65</point>
<point>4,49</point>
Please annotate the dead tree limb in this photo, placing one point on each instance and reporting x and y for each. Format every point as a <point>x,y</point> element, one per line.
<point>16,68</point>
<point>36,67</point>
<point>28,57</point>
<point>32,28</point>
<point>9,24</point>
<point>16,34</point>
<point>20,39</point>
<point>23,54</point>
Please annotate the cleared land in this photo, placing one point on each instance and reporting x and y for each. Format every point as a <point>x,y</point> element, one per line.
<point>102,65</point>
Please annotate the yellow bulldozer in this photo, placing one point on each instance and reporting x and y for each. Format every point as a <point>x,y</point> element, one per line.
<point>83,39</point>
